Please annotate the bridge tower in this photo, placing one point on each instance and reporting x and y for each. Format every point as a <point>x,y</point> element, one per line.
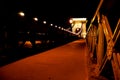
<point>79,26</point>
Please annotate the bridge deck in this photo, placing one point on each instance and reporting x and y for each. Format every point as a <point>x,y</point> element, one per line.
<point>67,62</point>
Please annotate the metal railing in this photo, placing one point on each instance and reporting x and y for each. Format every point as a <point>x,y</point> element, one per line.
<point>101,43</point>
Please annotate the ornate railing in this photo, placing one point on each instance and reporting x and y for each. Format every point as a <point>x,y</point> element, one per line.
<point>101,42</point>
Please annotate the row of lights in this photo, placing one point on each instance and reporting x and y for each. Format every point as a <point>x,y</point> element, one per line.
<point>22,14</point>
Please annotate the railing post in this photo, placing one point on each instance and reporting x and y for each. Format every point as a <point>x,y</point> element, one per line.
<point>100,46</point>
<point>116,66</point>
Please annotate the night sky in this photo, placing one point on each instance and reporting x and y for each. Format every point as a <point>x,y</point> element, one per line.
<point>55,11</point>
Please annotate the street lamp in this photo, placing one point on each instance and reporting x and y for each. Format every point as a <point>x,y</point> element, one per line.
<point>21,14</point>
<point>44,22</point>
<point>35,19</point>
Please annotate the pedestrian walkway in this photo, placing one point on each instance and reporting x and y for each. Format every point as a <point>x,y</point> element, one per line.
<point>67,62</point>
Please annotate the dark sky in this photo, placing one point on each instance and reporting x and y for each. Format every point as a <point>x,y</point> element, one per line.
<point>56,11</point>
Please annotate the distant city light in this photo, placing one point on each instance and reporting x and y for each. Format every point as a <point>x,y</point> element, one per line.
<point>56,26</point>
<point>44,22</point>
<point>51,24</point>
<point>62,28</point>
<point>35,18</point>
<point>21,13</point>
<point>59,27</point>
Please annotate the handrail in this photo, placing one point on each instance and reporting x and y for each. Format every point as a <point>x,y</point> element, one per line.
<point>107,30</point>
<point>110,42</point>
<point>116,32</point>
<point>111,38</point>
<point>105,59</point>
<point>97,10</point>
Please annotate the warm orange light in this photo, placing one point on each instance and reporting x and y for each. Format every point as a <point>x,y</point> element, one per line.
<point>35,18</point>
<point>62,28</point>
<point>21,13</point>
<point>56,26</point>
<point>59,27</point>
<point>79,19</point>
<point>70,21</point>
<point>51,24</point>
<point>44,22</point>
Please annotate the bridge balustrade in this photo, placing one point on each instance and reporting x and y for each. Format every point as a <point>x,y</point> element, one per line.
<point>102,44</point>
